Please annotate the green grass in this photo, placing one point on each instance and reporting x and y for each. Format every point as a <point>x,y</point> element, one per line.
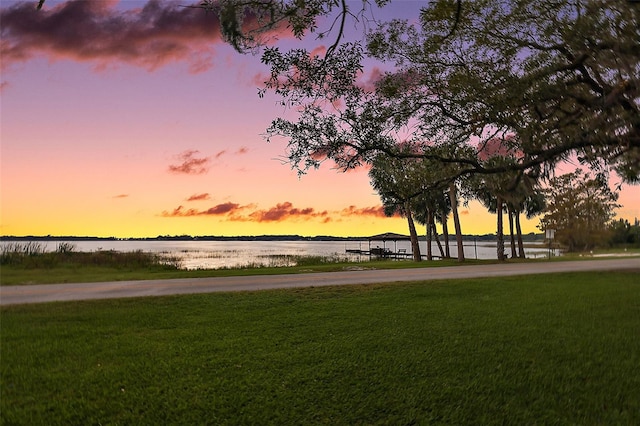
<point>552,349</point>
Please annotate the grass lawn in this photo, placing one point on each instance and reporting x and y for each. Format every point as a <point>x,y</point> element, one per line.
<point>551,349</point>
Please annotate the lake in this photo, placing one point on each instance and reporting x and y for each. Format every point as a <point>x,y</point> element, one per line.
<point>197,254</point>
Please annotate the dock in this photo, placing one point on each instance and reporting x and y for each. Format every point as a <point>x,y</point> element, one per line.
<point>382,253</point>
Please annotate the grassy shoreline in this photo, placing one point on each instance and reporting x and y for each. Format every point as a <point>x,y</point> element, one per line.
<point>24,264</point>
<point>558,348</point>
<point>44,271</point>
<point>12,275</point>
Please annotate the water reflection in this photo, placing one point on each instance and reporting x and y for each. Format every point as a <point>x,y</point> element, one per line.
<point>233,254</point>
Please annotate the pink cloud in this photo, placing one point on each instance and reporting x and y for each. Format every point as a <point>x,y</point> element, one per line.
<point>179,212</point>
<point>199,197</point>
<point>281,212</point>
<point>369,82</point>
<point>222,209</point>
<point>240,151</point>
<point>377,211</point>
<point>190,164</point>
<point>318,51</point>
<point>121,196</point>
<point>218,210</point>
<point>284,211</point>
<point>249,213</point>
<point>260,78</point>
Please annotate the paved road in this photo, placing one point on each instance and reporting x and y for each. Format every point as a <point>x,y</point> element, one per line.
<point>11,295</point>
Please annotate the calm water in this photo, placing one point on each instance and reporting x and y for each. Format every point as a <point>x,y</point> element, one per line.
<point>221,254</point>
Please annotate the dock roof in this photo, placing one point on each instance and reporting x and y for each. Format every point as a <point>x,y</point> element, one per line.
<point>389,236</point>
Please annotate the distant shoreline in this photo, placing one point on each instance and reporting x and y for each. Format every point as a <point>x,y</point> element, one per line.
<point>487,237</point>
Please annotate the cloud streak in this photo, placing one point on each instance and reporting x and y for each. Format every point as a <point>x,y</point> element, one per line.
<point>218,210</point>
<point>285,211</point>
<point>240,151</point>
<point>190,164</point>
<point>377,211</point>
<point>199,197</point>
<point>281,212</point>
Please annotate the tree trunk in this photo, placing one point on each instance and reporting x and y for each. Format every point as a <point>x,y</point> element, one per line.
<point>510,214</point>
<point>521,253</point>
<point>445,233</point>
<point>415,246</point>
<point>453,199</point>
<point>429,235</point>
<point>499,230</point>
<point>435,236</point>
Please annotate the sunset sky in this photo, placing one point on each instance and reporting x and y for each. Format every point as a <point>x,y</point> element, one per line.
<point>133,119</point>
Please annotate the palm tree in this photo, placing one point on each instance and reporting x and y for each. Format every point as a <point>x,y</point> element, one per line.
<point>498,191</point>
<point>531,205</point>
<point>487,190</point>
<point>525,196</point>
<point>398,180</point>
<point>391,178</point>
<point>431,205</point>
<point>453,201</point>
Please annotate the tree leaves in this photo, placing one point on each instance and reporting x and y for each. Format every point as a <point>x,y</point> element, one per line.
<point>579,208</point>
